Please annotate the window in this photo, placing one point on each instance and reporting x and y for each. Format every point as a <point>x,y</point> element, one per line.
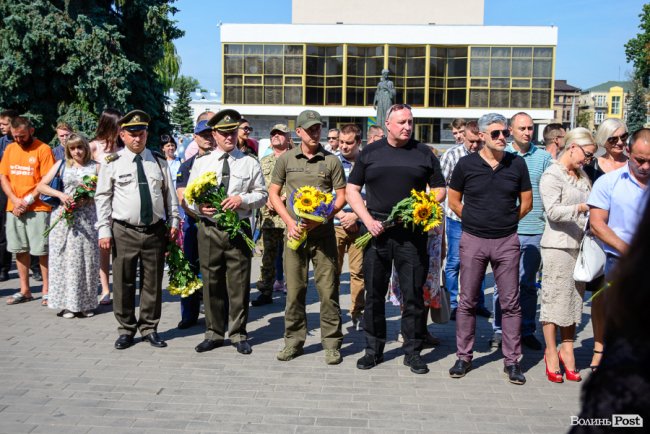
<point>599,100</point>
<point>365,64</point>
<point>324,75</point>
<point>616,105</point>
<point>599,117</point>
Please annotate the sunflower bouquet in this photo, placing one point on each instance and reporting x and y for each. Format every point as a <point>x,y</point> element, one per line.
<point>85,190</point>
<point>311,204</point>
<point>420,209</point>
<point>182,280</point>
<point>205,189</point>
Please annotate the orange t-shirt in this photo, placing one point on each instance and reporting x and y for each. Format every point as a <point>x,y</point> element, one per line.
<point>24,168</point>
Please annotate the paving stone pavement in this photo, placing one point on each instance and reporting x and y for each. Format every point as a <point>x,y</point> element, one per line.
<point>64,376</point>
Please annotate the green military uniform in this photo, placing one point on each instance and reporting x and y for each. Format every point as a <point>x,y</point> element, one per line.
<point>325,172</point>
<point>272,233</point>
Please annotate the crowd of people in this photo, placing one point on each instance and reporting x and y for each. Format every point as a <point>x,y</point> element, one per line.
<point>508,204</point>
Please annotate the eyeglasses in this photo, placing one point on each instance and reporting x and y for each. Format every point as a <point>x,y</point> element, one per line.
<point>332,138</point>
<point>397,107</point>
<point>277,133</point>
<point>588,155</point>
<point>247,129</point>
<point>495,134</point>
<point>614,139</point>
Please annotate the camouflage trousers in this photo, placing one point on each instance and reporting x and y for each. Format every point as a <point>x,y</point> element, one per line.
<point>272,240</point>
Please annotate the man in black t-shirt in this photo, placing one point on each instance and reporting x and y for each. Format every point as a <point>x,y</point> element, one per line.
<point>490,191</point>
<point>390,168</point>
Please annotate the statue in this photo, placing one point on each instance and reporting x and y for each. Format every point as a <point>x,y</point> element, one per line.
<point>384,98</point>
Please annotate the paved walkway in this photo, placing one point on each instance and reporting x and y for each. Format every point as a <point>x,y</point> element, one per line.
<point>63,376</point>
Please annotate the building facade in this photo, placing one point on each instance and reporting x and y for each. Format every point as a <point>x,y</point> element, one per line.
<point>566,103</point>
<point>606,100</point>
<point>272,72</point>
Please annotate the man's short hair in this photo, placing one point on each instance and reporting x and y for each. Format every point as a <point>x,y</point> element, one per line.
<point>21,122</point>
<point>372,128</point>
<point>516,115</point>
<point>641,134</point>
<point>351,128</point>
<point>9,113</point>
<point>332,130</point>
<point>551,131</point>
<point>472,127</point>
<point>489,119</point>
<point>64,126</point>
<point>206,115</point>
<point>458,123</point>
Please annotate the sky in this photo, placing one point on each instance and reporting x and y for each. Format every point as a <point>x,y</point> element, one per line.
<point>590,50</point>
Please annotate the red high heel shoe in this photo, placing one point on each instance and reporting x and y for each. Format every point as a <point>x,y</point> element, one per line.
<point>553,377</point>
<point>570,375</point>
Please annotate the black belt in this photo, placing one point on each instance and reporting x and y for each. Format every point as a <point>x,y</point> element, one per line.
<point>379,215</point>
<point>141,229</point>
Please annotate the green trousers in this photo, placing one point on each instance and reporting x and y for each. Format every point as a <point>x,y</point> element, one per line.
<point>323,254</point>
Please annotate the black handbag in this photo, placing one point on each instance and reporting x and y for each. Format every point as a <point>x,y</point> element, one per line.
<point>57,184</point>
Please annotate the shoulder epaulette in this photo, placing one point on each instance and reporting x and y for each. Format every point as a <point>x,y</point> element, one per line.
<point>112,157</point>
<point>157,154</point>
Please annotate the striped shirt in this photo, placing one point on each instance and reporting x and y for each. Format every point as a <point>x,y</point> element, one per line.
<point>447,162</point>
<point>537,161</point>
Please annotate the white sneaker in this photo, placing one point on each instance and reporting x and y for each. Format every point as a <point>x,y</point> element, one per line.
<point>68,314</point>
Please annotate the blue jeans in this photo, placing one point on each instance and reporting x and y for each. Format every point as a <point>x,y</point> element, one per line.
<point>529,262</point>
<point>610,265</point>
<point>191,305</point>
<point>452,267</point>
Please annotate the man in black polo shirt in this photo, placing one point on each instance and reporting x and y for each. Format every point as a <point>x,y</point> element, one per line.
<point>490,191</point>
<point>389,168</point>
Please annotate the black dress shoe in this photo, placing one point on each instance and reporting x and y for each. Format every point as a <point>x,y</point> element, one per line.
<point>483,311</point>
<point>207,345</point>
<point>369,361</point>
<point>185,324</point>
<point>531,342</point>
<point>243,347</point>
<point>460,369</point>
<point>123,342</point>
<point>415,362</point>
<point>452,316</point>
<point>155,340</point>
<point>515,376</point>
<point>262,299</point>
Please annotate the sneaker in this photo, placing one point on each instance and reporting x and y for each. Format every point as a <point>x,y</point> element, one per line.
<point>89,314</point>
<point>514,374</point>
<point>262,299</point>
<point>483,311</point>
<point>333,357</point>
<point>531,342</point>
<point>400,337</point>
<point>495,342</point>
<point>415,362</point>
<point>279,286</point>
<point>67,314</point>
<point>289,353</point>
<point>369,361</point>
<point>460,369</point>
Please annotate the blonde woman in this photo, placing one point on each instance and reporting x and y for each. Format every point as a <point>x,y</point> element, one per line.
<point>564,188</point>
<point>74,251</point>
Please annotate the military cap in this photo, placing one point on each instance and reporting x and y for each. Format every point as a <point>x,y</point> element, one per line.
<point>226,120</point>
<point>308,118</point>
<point>135,120</point>
<point>280,127</point>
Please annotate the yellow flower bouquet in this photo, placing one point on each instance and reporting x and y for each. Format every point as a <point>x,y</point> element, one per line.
<point>205,189</point>
<point>182,280</point>
<point>420,209</point>
<point>312,204</point>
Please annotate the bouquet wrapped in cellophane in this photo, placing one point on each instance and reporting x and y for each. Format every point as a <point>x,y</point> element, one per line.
<point>85,190</point>
<point>205,189</point>
<point>311,204</point>
<point>420,209</point>
<point>182,280</point>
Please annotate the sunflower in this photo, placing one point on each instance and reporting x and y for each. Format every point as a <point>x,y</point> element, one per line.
<point>421,213</point>
<point>306,201</point>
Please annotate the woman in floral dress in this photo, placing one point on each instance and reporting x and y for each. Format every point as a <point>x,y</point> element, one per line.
<point>74,251</point>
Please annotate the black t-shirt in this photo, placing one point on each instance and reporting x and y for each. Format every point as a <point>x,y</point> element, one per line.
<point>390,173</point>
<point>490,197</point>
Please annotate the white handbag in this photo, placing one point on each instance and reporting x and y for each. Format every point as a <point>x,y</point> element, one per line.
<point>591,259</point>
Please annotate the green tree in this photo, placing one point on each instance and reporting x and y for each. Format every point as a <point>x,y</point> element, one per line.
<point>584,119</point>
<point>70,59</point>
<point>636,110</point>
<point>637,49</point>
<point>181,114</point>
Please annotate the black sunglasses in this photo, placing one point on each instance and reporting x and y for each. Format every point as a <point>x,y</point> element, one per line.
<point>247,129</point>
<point>332,138</point>
<point>495,134</point>
<point>397,107</point>
<point>614,139</point>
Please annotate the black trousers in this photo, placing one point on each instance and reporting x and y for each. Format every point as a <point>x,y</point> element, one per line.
<point>408,250</point>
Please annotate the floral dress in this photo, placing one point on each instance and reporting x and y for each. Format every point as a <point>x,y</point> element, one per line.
<point>74,251</point>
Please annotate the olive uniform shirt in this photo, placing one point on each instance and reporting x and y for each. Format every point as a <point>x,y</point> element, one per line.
<point>324,171</point>
<point>270,220</point>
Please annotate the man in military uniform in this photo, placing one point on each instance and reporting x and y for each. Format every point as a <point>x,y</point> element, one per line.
<point>272,225</point>
<point>310,164</point>
<point>134,198</point>
<point>226,263</point>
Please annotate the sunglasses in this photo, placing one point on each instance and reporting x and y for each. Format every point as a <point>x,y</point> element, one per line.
<point>332,138</point>
<point>496,133</point>
<point>397,107</point>
<point>247,129</point>
<point>614,139</point>
<point>588,155</point>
